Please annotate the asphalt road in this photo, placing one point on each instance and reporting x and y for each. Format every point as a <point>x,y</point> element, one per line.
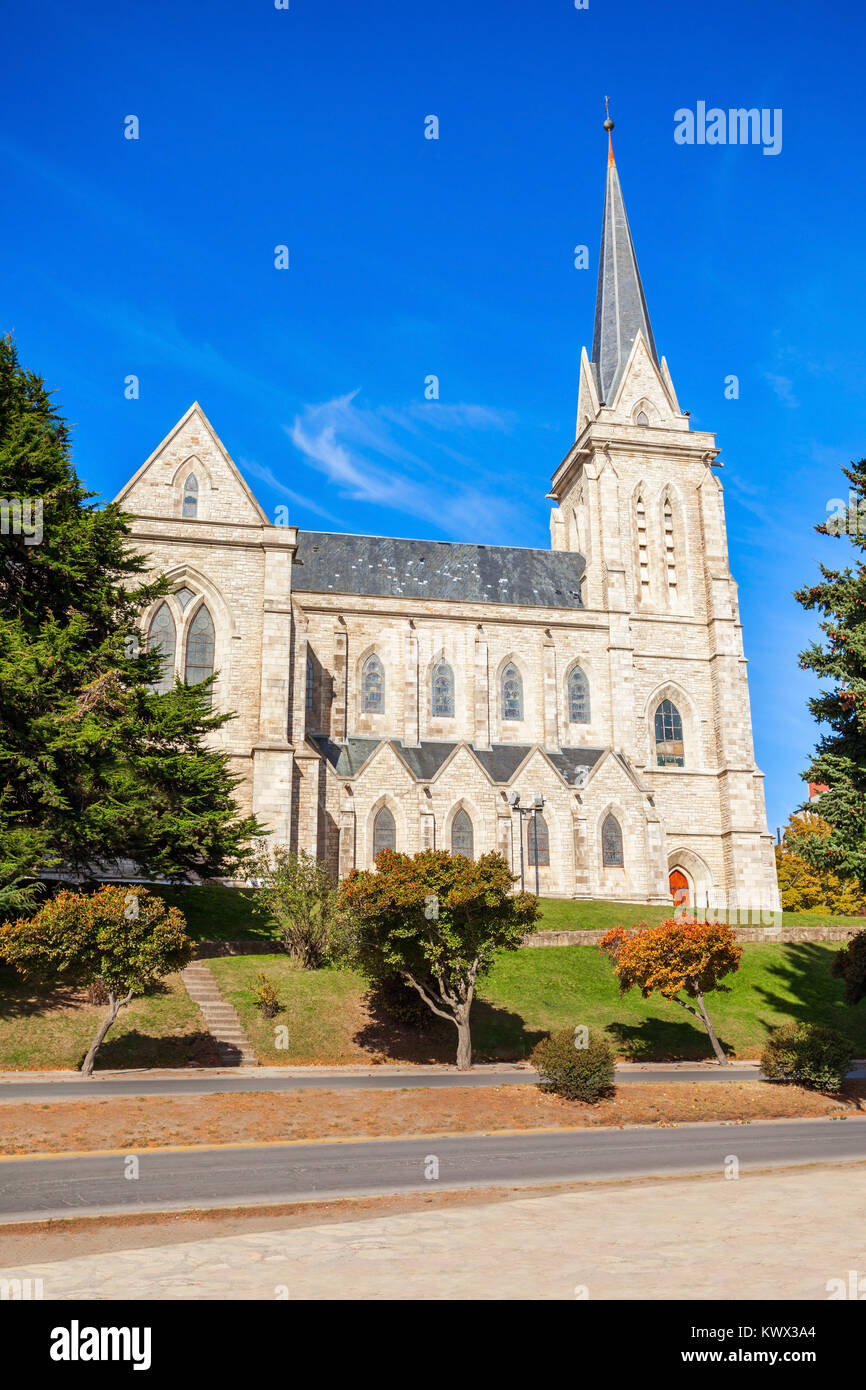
<point>89,1184</point>
<point>383,1080</point>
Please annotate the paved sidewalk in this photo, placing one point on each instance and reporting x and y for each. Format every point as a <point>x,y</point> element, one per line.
<point>771,1235</point>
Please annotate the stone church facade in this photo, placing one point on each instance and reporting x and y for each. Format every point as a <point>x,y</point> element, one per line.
<point>401,692</point>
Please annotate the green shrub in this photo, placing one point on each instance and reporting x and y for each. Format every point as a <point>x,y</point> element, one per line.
<point>574,1071</point>
<point>267,995</point>
<point>808,1054</point>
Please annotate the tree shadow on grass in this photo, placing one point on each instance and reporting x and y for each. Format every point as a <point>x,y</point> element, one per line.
<point>498,1035</point>
<point>20,998</point>
<point>818,997</point>
<point>137,1049</point>
<point>663,1040</point>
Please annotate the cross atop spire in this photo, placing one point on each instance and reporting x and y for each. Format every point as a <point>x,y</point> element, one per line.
<point>620,307</point>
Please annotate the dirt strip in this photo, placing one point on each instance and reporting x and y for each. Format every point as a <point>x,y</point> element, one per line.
<point>135,1124</point>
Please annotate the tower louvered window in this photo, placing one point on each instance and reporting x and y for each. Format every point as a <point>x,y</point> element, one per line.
<point>670,556</point>
<point>642,551</point>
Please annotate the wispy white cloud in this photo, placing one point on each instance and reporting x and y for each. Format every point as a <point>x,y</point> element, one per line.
<point>783,387</point>
<point>265,475</point>
<point>361,453</point>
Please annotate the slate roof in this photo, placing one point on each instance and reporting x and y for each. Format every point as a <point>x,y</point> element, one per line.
<point>571,760</point>
<point>500,761</point>
<point>457,571</point>
<point>620,306</point>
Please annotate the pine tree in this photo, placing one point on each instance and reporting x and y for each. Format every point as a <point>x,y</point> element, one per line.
<point>839,761</point>
<point>94,765</point>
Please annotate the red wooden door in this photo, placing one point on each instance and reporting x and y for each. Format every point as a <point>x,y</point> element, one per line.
<point>679,888</point>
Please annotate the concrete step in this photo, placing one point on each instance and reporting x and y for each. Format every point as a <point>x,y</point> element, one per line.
<point>220,1019</point>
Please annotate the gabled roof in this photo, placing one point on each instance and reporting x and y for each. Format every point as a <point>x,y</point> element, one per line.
<point>424,761</point>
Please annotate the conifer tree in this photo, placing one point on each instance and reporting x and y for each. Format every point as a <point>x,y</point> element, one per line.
<point>94,765</point>
<point>839,761</point>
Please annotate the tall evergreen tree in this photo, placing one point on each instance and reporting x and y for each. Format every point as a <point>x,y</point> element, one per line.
<point>94,765</point>
<point>839,761</point>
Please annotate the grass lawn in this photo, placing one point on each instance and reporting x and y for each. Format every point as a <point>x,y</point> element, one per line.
<point>216,913</point>
<point>44,1030</point>
<point>564,914</point>
<point>531,992</point>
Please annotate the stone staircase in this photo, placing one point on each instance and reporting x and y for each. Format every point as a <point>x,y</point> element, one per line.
<point>220,1018</point>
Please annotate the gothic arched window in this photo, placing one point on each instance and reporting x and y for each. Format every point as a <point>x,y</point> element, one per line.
<point>611,843</point>
<point>162,638</point>
<point>372,686</point>
<point>670,751</point>
<point>199,648</point>
<point>442,692</point>
<point>578,697</point>
<point>384,832</point>
<point>190,496</point>
<point>512,693</point>
<point>538,837</point>
<point>641,418</point>
<point>462,837</point>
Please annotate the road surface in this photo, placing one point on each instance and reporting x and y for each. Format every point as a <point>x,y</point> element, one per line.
<point>383,1079</point>
<point>210,1177</point>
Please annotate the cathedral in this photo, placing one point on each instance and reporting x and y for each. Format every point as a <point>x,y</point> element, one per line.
<point>584,710</point>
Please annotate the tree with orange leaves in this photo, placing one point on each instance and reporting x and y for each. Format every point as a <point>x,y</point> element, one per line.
<point>678,957</point>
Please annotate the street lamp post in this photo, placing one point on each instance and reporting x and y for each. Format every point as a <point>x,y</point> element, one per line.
<point>537,803</point>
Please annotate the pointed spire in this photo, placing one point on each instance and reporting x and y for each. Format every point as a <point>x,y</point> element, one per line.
<point>620,306</point>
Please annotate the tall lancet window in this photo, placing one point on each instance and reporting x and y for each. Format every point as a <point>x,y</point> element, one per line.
<point>611,843</point>
<point>384,832</point>
<point>642,550</point>
<point>670,750</point>
<point>200,648</point>
<point>462,838</point>
<point>162,638</point>
<point>538,840</point>
<point>442,694</point>
<point>512,693</point>
<point>578,697</point>
<point>190,496</point>
<point>372,686</point>
<point>670,556</point>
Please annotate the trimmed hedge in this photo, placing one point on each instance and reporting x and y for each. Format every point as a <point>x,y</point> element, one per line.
<point>572,1070</point>
<point>808,1054</point>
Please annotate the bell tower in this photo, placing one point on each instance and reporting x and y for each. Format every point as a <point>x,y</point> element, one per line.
<point>637,496</point>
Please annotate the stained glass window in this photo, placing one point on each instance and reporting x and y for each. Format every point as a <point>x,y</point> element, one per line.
<point>538,837</point>
<point>611,843</point>
<point>462,838</point>
<point>384,832</point>
<point>373,686</point>
<point>578,697</point>
<point>184,596</point>
<point>443,691</point>
<point>161,637</point>
<point>512,693</point>
<point>200,648</point>
<point>190,496</point>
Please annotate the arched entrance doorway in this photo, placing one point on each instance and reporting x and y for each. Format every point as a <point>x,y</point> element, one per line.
<point>680,889</point>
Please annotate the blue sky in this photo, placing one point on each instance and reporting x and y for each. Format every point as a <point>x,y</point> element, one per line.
<point>411,257</point>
